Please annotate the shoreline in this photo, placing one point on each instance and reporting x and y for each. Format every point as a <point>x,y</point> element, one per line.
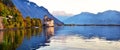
<point>63,25</point>
<point>91,24</point>
<point>17,28</point>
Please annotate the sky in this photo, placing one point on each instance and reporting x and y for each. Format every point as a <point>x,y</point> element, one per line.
<point>73,7</point>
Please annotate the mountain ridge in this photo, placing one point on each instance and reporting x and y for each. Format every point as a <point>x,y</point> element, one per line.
<point>106,17</point>
<point>31,9</point>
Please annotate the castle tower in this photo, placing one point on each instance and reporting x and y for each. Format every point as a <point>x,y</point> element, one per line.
<point>48,21</point>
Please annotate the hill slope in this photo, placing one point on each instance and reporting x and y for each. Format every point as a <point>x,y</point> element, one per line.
<point>31,9</point>
<point>12,18</point>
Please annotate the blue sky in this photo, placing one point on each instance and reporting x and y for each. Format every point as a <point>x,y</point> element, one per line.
<point>73,7</point>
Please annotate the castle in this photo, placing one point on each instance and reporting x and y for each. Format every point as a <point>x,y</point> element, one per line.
<point>48,21</point>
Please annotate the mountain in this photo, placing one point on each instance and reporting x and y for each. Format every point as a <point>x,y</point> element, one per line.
<point>106,17</point>
<point>62,18</point>
<point>34,11</point>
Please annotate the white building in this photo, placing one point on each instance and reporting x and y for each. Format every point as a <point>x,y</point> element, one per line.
<point>48,21</point>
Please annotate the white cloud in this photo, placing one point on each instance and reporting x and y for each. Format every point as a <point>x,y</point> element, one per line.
<point>78,6</point>
<point>61,13</point>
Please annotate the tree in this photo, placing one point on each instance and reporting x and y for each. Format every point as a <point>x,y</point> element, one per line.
<point>28,21</point>
<point>38,23</point>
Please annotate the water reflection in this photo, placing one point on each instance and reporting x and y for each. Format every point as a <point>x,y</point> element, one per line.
<point>62,38</point>
<point>85,38</point>
<point>88,32</point>
<point>1,37</point>
<point>49,31</point>
<point>37,41</point>
<point>25,39</point>
<point>12,39</point>
<point>74,42</point>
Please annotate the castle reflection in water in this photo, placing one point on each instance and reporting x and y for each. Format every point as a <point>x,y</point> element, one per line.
<point>25,39</point>
<point>49,31</point>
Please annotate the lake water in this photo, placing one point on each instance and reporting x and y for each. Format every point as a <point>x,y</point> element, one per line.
<point>62,38</point>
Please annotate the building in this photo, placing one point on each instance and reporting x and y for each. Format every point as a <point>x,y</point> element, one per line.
<point>48,21</point>
<point>9,16</point>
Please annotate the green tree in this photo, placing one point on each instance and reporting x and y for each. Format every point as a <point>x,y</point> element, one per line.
<point>5,22</point>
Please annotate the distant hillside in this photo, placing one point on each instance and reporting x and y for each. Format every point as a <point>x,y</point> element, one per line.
<point>107,17</point>
<point>34,11</point>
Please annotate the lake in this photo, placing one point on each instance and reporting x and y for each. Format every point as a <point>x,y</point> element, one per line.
<point>62,38</point>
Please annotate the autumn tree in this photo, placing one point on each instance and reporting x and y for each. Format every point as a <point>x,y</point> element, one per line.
<point>28,21</point>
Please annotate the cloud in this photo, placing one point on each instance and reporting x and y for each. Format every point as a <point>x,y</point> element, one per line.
<point>61,13</point>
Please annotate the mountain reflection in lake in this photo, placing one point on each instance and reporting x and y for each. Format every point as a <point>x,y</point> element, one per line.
<point>62,38</point>
<point>85,38</point>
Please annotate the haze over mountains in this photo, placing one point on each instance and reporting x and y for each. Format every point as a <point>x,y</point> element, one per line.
<point>61,15</point>
<point>106,17</point>
<point>31,9</point>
